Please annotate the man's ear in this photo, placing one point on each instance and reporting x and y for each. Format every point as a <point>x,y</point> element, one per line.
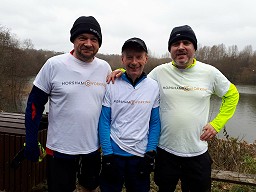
<point>122,59</point>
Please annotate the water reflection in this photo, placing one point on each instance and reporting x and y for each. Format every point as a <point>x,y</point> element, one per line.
<point>242,124</point>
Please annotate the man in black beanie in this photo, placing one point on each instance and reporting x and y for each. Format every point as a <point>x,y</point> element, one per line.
<point>75,85</point>
<point>186,86</point>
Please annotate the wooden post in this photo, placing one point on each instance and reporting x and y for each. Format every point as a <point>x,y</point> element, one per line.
<point>234,177</point>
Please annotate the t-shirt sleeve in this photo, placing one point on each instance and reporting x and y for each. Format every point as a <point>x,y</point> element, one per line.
<point>106,100</point>
<point>43,78</point>
<point>221,84</point>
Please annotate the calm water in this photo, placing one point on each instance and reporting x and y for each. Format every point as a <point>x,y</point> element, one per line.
<point>242,124</point>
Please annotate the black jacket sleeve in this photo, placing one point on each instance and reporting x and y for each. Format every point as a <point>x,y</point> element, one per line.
<point>34,110</point>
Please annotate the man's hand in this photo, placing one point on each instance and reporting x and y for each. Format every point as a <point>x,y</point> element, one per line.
<point>148,163</point>
<point>113,75</point>
<point>42,152</point>
<point>35,153</point>
<point>109,168</point>
<point>208,132</point>
<point>32,153</point>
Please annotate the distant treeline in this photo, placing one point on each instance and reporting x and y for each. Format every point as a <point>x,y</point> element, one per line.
<point>19,61</point>
<point>238,66</point>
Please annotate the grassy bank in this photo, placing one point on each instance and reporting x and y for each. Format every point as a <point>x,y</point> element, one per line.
<point>229,155</point>
<point>233,155</point>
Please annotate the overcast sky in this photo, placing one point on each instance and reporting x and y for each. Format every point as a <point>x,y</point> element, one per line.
<point>48,22</point>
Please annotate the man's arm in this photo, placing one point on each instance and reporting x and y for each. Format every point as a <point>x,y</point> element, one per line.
<point>148,163</point>
<point>154,130</point>
<point>35,107</point>
<point>227,110</point>
<point>104,130</point>
<point>115,74</point>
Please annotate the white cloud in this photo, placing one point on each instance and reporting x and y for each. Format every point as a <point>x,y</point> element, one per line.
<point>47,23</point>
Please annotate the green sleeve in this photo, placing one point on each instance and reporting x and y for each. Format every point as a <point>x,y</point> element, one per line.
<point>227,108</point>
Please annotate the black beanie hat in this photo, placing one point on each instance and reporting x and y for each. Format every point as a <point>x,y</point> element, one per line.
<point>86,25</point>
<point>184,32</point>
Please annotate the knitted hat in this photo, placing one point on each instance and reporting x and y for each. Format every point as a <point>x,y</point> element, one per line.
<point>86,25</point>
<point>184,32</point>
<point>135,42</point>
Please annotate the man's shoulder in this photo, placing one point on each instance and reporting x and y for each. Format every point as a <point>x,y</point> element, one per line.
<point>206,68</point>
<point>58,58</point>
<point>101,61</point>
<point>154,74</point>
<point>204,65</point>
<point>162,65</point>
<point>153,84</point>
<point>151,81</point>
<point>63,55</point>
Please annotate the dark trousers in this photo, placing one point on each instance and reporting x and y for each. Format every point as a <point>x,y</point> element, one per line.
<point>63,172</point>
<point>126,173</point>
<point>194,172</point>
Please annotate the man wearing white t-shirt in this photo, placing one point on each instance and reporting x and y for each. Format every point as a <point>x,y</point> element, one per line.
<point>129,124</point>
<point>75,85</point>
<point>186,86</point>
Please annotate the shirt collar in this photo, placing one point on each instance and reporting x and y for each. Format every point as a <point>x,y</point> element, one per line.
<point>189,66</point>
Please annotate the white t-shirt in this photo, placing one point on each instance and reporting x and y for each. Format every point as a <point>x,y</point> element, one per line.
<point>184,105</point>
<point>130,113</point>
<point>76,90</point>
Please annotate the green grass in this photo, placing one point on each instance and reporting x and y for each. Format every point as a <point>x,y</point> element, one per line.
<point>231,154</point>
<point>228,154</point>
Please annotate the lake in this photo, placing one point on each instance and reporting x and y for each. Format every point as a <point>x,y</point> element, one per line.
<point>242,124</point>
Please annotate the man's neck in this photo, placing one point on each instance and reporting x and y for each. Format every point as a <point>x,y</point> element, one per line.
<point>189,64</point>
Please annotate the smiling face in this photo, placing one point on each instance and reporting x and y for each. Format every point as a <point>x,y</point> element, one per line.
<point>86,47</point>
<point>134,61</point>
<point>182,53</point>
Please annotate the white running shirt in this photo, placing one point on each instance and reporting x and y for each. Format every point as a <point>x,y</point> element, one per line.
<point>130,113</point>
<point>184,105</point>
<point>76,90</point>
